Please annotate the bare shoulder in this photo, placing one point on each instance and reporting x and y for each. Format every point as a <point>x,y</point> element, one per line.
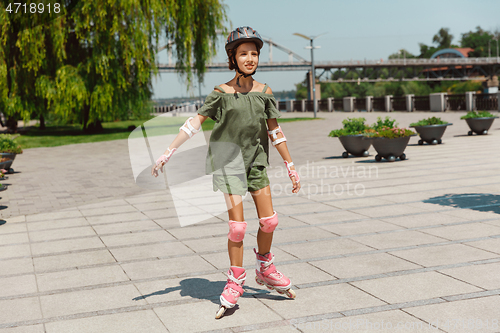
<point>260,86</point>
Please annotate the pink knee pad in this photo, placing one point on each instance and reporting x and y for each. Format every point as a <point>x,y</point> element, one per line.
<point>268,224</point>
<point>236,231</point>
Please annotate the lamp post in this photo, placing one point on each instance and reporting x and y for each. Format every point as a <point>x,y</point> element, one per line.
<point>313,76</point>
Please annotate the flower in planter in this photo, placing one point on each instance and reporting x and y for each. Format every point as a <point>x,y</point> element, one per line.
<point>351,137</point>
<point>429,121</point>
<point>478,114</point>
<point>431,130</point>
<point>352,126</point>
<point>7,145</point>
<point>479,122</point>
<point>387,128</point>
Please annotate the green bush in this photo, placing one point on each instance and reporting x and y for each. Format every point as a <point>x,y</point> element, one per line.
<point>352,126</point>
<point>7,145</point>
<point>429,121</point>
<point>386,123</point>
<point>478,114</point>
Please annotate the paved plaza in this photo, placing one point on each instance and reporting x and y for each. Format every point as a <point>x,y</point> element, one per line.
<point>408,246</point>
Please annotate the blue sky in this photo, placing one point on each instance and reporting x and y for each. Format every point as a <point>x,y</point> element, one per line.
<point>356,29</point>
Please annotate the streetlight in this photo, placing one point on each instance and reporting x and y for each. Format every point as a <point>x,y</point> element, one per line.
<point>313,76</point>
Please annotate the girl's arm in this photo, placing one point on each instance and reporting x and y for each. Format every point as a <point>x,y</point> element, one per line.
<point>272,125</point>
<point>193,124</point>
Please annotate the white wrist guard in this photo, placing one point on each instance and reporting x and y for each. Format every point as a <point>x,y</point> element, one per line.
<point>274,138</point>
<point>189,129</point>
<point>164,158</point>
<point>292,172</point>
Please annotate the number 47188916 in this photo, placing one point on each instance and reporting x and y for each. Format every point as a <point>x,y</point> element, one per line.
<point>32,8</point>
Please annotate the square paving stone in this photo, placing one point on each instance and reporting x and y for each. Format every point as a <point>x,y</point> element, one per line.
<point>166,267</point>
<point>300,273</point>
<point>471,315</point>
<point>18,285</point>
<point>318,249</point>
<point>70,260</point>
<point>334,216</point>
<point>382,212</point>
<point>464,231</point>
<point>413,287</point>
<point>199,316</point>
<point>364,265</point>
<point>137,238</point>
<point>9,228</point>
<point>40,236</point>
<point>277,329</point>
<point>196,231</point>
<point>422,220</point>
<point>107,210</point>
<point>16,266</point>
<point>144,321</point>
<point>302,208</point>
<point>215,243</point>
<point>66,245</point>
<point>492,245</point>
<point>53,216</point>
<point>77,278</point>
<point>386,321</point>
<point>14,251</point>
<point>444,255</point>
<point>55,224</point>
<point>299,234</point>
<point>358,203</point>
<point>17,310</point>
<point>333,298</point>
<point>84,301</point>
<point>471,214</point>
<point>150,251</point>
<point>24,329</point>
<point>397,239</point>
<point>361,227</point>
<point>486,276</point>
<point>120,227</point>
<point>119,217</point>
<point>17,238</point>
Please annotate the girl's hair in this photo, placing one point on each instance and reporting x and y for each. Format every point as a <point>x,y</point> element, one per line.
<point>231,56</point>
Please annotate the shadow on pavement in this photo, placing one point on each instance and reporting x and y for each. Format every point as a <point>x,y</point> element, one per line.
<point>203,289</point>
<point>2,222</point>
<point>483,202</point>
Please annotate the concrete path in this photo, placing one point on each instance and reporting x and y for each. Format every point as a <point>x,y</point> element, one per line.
<point>409,246</point>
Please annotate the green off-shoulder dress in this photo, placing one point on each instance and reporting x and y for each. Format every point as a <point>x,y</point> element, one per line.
<point>238,151</point>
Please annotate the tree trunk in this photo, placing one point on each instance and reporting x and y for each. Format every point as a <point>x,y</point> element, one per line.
<point>11,124</point>
<point>94,127</point>
<point>42,122</point>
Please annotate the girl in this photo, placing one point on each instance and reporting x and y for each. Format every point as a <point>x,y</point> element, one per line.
<point>241,109</point>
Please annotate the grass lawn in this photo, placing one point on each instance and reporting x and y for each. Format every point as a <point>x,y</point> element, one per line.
<point>54,136</point>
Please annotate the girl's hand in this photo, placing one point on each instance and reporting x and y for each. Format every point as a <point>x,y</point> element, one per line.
<point>161,161</point>
<point>294,176</point>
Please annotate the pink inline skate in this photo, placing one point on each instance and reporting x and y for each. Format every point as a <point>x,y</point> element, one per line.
<point>268,275</point>
<point>233,290</point>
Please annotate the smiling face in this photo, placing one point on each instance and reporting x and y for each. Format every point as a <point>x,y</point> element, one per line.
<point>247,57</point>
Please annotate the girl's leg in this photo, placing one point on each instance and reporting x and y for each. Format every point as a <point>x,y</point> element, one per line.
<point>235,210</point>
<point>264,205</point>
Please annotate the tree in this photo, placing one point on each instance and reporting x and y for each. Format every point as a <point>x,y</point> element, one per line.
<point>443,38</point>
<point>94,59</point>
<point>478,40</point>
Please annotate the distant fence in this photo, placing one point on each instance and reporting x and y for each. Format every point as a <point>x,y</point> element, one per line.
<point>450,102</point>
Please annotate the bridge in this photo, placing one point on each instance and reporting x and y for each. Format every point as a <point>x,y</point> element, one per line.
<point>414,69</point>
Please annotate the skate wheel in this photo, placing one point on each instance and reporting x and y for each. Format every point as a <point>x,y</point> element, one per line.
<point>280,292</point>
<point>345,154</point>
<point>290,293</point>
<point>260,283</point>
<point>220,313</point>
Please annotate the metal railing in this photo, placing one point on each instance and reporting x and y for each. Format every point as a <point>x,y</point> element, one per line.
<point>487,102</point>
<point>360,104</point>
<point>378,103</point>
<point>338,104</point>
<point>455,102</point>
<point>398,103</point>
<point>422,103</point>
